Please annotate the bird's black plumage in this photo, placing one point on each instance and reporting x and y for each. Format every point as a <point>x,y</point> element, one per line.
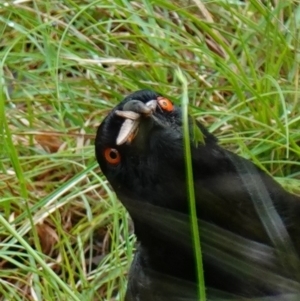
<point>250,227</point>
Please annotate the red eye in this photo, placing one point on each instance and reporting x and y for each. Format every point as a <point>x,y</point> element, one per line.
<point>165,104</point>
<point>112,156</point>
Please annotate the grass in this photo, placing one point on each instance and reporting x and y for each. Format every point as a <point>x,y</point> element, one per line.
<point>65,64</point>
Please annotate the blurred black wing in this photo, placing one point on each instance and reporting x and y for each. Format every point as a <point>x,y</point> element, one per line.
<point>249,229</point>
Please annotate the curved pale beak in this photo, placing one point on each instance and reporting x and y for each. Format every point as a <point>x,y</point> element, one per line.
<point>132,112</point>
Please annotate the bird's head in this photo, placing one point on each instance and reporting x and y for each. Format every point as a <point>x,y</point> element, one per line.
<point>139,147</point>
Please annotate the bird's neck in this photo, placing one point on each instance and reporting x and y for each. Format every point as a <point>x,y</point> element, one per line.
<point>164,253</point>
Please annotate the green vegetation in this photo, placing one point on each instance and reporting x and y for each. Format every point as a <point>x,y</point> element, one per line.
<point>65,64</point>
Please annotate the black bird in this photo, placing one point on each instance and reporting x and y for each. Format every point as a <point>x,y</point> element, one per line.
<point>249,225</point>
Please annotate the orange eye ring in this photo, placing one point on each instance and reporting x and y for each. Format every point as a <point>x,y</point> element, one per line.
<point>165,104</point>
<point>112,156</point>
